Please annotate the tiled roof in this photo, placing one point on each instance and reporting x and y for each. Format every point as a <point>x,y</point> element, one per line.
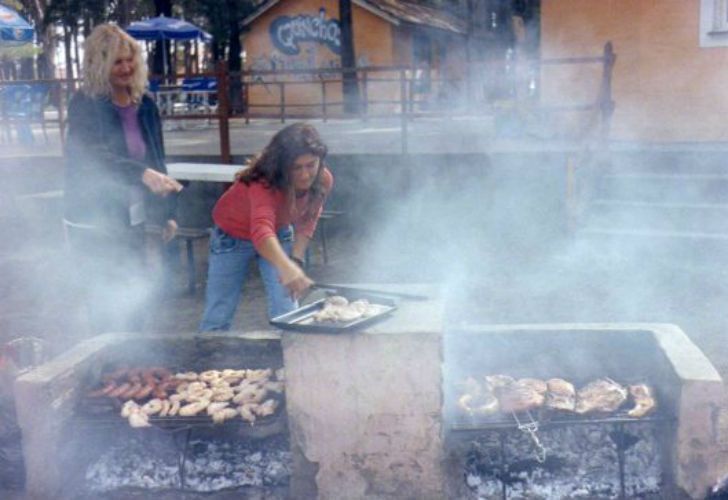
<point>394,11</point>
<point>415,13</point>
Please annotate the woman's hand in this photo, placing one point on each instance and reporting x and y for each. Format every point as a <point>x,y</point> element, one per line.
<point>169,230</point>
<point>295,280</point>
<point>159,183</point>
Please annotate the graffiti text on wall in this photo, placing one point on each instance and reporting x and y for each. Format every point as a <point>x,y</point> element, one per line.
<point>287,32</point>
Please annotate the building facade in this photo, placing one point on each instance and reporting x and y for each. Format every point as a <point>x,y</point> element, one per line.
<point>671,62</point>
<point>295,36</point>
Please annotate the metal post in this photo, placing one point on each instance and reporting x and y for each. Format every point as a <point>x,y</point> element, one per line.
<point>403,108</point>
<point>223,102</point>
<point>323,97</point>
<point>246,94</point>
<point>606,104</point>
<point>365,95</point>
<point>282,86</point>
<point>61,115</point>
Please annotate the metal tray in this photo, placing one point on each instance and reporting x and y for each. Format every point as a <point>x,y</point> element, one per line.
<point>301,319</point>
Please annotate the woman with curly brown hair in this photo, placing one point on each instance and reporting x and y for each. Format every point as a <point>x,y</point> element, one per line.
<point>270,214</point>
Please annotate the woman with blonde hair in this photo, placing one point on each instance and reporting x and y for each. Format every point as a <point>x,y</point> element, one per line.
<point>115,178</point>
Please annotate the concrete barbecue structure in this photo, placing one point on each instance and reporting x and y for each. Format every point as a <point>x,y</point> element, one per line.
<point>366,411</point>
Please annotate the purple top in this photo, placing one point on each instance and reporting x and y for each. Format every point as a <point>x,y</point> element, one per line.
<point>132,133</point>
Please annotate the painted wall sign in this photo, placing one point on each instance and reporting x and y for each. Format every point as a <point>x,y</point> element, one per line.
<point>287,32</point>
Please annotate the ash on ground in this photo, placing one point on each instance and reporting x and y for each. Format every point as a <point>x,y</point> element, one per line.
<point>212,465</point>
<point>581,462</point>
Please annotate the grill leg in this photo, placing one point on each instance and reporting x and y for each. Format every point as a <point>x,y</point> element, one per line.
<point>503,464</point>
<point>620,460</point>
<point>183,460</point>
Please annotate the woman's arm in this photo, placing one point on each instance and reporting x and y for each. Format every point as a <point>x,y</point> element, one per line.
<point>300,244</point>
<point>292,276</point>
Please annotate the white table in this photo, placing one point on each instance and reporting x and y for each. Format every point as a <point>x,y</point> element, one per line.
<point>211,172</point>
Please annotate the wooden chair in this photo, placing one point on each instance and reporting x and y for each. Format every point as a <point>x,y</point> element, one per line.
<point>189,235</point>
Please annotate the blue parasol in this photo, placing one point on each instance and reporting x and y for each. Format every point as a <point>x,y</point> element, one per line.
<point>166,28</point>
<point>14,30</point>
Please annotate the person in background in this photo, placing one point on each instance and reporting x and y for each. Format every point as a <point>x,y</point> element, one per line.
<point>268,214</point>
<point>115,179</point>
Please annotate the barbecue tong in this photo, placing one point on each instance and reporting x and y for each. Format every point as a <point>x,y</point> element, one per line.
<point>351,289</point>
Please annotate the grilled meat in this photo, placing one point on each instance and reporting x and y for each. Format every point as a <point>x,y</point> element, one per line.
<point>152,407</point>
<point>644,400</point>
<point>497,381</point>
<point>225,414</point>
<point>476,399</point>
<point>193,409</point>
<point>520,396</point>
<point>137,418</point>
<point>537,385</point>
<point>603,395</point>
<point>267,408</point>
<point>485,403</point>
<point>247,413</point>
<point>561,395</point>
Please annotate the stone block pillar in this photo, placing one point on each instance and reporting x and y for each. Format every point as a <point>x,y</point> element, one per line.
<point>365,409</point>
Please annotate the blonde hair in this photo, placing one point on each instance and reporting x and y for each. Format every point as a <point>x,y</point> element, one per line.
<point>101,49</point>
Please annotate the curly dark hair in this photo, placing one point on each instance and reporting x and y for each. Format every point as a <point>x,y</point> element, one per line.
<point>273,165</point>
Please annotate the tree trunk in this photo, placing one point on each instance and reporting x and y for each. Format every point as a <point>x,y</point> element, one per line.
<point>76,51</point>
<point>235,61</point>
<point>124,13</point>
<point>162,8</point>
<point>67,52</point>
<point>348,58</point>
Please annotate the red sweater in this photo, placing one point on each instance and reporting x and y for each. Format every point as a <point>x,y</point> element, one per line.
<point>256,212</point>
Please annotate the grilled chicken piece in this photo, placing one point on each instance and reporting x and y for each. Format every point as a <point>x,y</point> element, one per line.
<point>193,409</point>
<point>137,418</point>
<point>497,381</point>
<point>644,400</point>
<point>476,399</point>
<point>266,409</point>
<point>561,395</point>
<point>216,407</point>
<point>603,395</point>
<point>537,385</point>
<point>483,404</point>
<point>225,414</point>
<point>520,396</point>
<point>247,413</point>
<point>153,406</point>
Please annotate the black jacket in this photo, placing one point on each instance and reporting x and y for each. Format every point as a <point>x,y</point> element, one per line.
<point>99,171</point>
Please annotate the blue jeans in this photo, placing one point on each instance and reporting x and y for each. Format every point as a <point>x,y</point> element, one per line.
<point>227,269</point>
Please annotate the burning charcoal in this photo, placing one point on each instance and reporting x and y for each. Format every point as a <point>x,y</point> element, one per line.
<point>581,463</point>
